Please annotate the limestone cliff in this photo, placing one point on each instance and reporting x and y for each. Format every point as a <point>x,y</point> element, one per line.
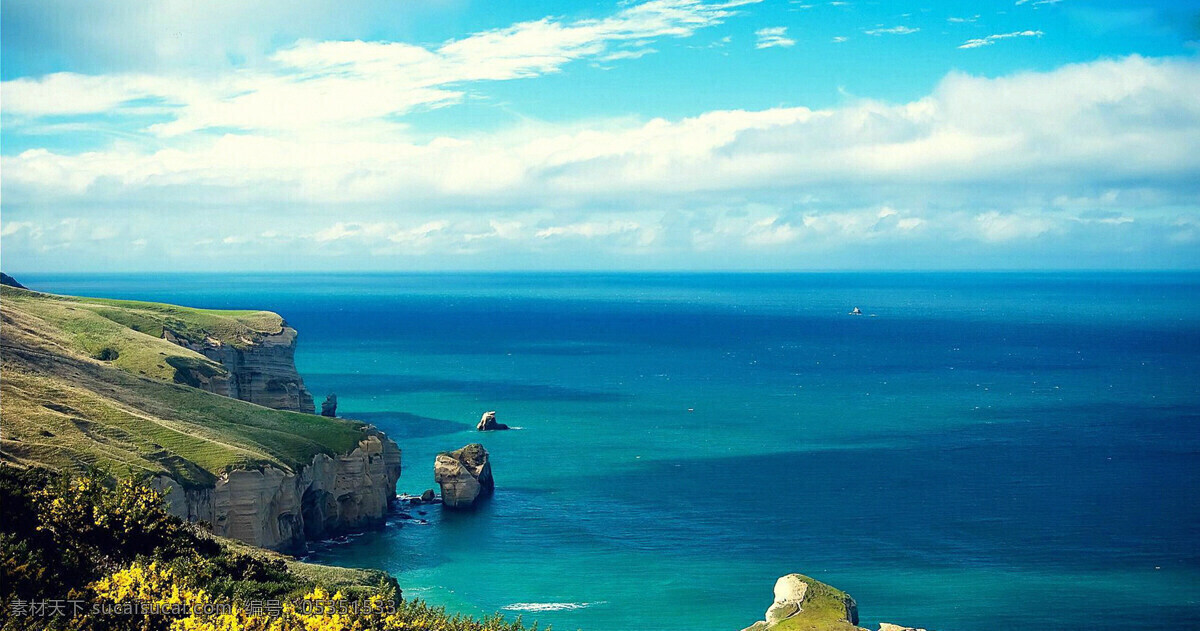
<point>280,509</point>
<point>261,369</point>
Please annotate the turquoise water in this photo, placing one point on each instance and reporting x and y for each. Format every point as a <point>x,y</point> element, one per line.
<point>981,451</point>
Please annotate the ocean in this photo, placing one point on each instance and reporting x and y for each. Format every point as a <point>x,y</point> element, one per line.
<point>977,451</point>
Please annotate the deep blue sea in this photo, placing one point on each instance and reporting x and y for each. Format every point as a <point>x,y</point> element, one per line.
<point>978,451</point>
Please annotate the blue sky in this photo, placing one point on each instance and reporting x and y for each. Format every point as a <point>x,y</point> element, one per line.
<point>669,134</point>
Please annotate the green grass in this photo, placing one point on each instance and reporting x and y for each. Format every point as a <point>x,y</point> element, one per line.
<point>237,328</point>
<point>68,405</point>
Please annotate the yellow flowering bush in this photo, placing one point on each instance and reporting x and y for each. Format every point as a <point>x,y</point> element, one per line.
<point>164,591</point>
<point>125,564</point>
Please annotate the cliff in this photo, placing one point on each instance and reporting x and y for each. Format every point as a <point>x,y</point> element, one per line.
<point>282,509</point>
<point>145,389</point>
<point>261,369</point>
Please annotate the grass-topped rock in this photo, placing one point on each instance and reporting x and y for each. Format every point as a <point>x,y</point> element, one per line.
<point>806,604</point>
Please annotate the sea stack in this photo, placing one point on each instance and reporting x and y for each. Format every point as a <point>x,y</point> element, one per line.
<point>488,422</point>
<point>465,476</point>
<point>329,406</point>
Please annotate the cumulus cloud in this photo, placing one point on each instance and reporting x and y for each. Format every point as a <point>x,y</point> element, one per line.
<point>1106,121</point>
<point>1106,147</point>
<point>773,37</point>
<point>992,39</point>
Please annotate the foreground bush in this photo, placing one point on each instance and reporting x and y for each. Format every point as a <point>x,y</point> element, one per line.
<point>113,559</point>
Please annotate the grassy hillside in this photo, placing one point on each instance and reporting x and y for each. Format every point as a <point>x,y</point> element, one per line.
<point>91,382</point>
<point>128,334</point>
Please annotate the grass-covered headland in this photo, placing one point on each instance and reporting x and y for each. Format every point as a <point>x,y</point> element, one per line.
<point>91,382</point>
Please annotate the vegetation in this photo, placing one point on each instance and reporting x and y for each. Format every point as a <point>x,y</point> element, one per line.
<point>90,383</point>
<point>234,327</point>
<point>824,609</point>
<point>115,545</point>
<point>130,334</point>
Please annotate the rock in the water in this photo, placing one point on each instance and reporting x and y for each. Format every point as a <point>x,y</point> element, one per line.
<point>329,406</point>
<point>465,476</point>
<point>887,626</point>
<point>427,496</point>
<point>806,603</point>
<point>488,422</point>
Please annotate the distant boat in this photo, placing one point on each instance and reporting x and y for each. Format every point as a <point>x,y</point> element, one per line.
<point>856,311</point>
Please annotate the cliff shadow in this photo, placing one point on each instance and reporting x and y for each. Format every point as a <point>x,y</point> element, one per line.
<point>400,425</point>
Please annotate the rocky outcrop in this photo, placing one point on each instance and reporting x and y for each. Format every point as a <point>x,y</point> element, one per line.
<point>465,476</point>
<point>279,509</point>
<point>806,603</point>
<point>329,406</point>
<point>261,370</point>
<point>811,604</point>
<point>488,422</point>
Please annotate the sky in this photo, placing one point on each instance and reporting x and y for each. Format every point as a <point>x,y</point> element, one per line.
<point>380,135</point>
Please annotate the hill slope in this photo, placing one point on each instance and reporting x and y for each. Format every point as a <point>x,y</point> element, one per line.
<point>88,382</point>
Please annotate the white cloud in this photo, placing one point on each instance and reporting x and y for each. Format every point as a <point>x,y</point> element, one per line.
<point>838,39</point>
<point>333,86</point>
<point>1101,146</point>
<point>771,231</point>
<point>995,226</point>
<point>635,53</point>
<point>589,230</point>
<point>13,227</point>
<point>894,30</point>
<point>992,39</point>
<point>1105,121</point>
<point>418,234</point>
<point>344,230</point>
<point>772,37</point>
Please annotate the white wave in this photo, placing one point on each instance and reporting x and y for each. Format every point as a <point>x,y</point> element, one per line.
<point>549,606</point>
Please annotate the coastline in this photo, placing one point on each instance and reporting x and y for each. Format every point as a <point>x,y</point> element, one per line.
<point>1060,438</point>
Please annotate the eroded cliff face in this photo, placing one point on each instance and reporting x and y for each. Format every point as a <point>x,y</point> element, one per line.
<point>261,370</point>
<point>281,510</point>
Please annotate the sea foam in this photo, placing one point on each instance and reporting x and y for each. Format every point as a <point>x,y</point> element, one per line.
<point>548,606</point>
